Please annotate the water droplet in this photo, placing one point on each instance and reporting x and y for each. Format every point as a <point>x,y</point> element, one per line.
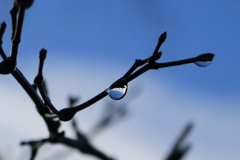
<point>203,63</point>
<point>117,93</point>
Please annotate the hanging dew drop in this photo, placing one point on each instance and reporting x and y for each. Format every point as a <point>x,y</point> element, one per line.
<point>203,63</point>
<point>117,93</point>
<point>204,60</point>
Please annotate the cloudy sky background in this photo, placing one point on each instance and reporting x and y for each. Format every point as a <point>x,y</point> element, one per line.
<point>91,44</point>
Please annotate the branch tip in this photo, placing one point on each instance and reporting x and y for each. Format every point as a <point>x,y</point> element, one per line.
<point>156,54</point>
<point>43,54</point>
<point>3,26</point>
<point>23,3</point>
<point>163,37</point>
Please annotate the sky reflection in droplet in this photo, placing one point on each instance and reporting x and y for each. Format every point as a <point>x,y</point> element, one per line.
<point>117,93</point>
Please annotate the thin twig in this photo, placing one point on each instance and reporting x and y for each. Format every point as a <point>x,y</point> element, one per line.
<point>39,82</point>
<point>14,12</point>
<point>82,143</point>
<point>179,148</point>
<point>8,65</point>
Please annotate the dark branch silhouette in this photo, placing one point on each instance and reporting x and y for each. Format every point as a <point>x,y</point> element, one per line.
<point>87,147</point>
<point>180,148</point>
<point>8,65</point>
<point>117,90</point>
<point>112,113</point>
<point>81,143</point>
<point>68,113</point>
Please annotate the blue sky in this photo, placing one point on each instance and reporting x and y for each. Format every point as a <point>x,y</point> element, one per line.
<point>91,44</point>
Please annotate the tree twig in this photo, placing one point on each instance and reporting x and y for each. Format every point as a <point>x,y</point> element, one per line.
<point>8,65</point>
<point>68,113</point>
<point>179,148</point>
<point>82,143</point>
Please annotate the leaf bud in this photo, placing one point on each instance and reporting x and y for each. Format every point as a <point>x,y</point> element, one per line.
<point>24,3</point>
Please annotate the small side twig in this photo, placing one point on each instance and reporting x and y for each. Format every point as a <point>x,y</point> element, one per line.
<point>112,114</point>
<point>14,12</point>
<point>180,148</point>
<point>39,82</point>
<point>31,91</point>
<point>35,145</point>
<point>86,145</point>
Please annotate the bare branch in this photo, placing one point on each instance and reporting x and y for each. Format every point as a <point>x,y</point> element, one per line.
<point>83,144</point>
<point>8,65</point>
<point>68,113</point>
<point>41,108</point>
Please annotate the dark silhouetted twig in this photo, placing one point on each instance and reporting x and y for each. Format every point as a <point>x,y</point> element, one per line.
<point>47,110</point>
<point>87,146</point>
<point>82,143</point>
<point>68,113</point>
<point>180,147</point>
<point>8,65</point>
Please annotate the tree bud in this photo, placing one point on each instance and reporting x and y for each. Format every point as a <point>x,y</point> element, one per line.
<point>24,3</point>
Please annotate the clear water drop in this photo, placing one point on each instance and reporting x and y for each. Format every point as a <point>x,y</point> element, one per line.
<point>203,63</point>
<point>117,93</point>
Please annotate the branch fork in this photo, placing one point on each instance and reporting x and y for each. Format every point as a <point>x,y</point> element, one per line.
<point>122,83</point>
